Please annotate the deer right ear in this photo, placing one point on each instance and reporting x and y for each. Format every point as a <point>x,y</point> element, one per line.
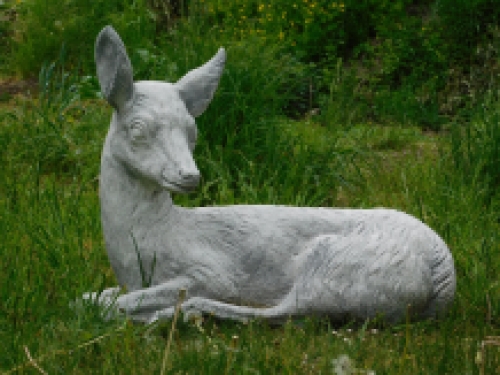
<point>197,87</point>
<point>114,69</point>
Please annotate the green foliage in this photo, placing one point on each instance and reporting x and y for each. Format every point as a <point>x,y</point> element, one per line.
<point>316,30</point>
<point>464,24</point>
<point>42,29</point>
<point>407,50</point>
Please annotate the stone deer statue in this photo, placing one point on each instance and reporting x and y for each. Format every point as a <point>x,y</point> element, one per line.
<point>246,261</point>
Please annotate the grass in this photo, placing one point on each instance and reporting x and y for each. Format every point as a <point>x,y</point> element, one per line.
<point>54,252</point>
<point>249,152</point>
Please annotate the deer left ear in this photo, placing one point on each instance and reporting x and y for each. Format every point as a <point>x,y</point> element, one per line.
<point>114,69</point>
<point>197,87</point>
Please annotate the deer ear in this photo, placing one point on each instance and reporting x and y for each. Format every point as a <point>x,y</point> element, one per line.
<point>114,69</point>
<point>197,87</point>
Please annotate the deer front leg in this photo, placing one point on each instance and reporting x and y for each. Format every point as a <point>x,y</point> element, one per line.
<point>140,305</point>
<point>106,300</point>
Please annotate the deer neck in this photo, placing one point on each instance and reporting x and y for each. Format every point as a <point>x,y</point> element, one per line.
<point>127,202</point>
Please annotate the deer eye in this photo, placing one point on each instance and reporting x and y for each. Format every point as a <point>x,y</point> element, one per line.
<point>137,132</point>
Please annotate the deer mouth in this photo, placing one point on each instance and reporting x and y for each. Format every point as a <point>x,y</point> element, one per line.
<point>178,187</point>
<point>180,183</point>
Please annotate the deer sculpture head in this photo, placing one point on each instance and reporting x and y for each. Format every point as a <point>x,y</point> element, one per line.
<point>153,131</point>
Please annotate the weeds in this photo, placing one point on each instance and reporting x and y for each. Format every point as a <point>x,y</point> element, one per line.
<point>182,297</point>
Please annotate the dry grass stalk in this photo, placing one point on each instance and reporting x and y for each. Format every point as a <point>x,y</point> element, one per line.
<point>182,297</point>
<point>232,348</point>
<point>32,361</point>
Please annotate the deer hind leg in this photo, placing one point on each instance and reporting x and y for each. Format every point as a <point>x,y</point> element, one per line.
<point>293,304</point>
<point>360,276</point>
<point>197,306</point>
<point>288,307</point>
<point>341,277</point>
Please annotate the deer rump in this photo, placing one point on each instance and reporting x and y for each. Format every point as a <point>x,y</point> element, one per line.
<point>240,262</point>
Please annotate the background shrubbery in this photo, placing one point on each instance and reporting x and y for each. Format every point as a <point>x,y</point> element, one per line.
<point>418,57</point>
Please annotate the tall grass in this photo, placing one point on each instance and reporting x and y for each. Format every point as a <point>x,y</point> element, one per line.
<point>54,251</point>
<point>476,147</point>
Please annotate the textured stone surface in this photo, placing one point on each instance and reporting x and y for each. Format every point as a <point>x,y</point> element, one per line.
<point>241,262</point>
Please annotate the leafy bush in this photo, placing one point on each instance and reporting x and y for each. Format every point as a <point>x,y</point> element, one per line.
<point>408,51</point>
<point>316,30</point>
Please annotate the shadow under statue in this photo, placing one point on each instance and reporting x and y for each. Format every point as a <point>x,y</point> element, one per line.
<point>246,261</point>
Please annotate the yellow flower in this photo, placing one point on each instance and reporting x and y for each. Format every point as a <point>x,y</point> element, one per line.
<point>261,6</point>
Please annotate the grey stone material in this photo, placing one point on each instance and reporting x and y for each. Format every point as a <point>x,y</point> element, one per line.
<point>245,261</point>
